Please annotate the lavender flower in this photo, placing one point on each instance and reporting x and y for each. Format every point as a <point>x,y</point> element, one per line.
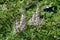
<point>22,22</point>
<point>16,26</point>
<point>37,12</point>
<point>37,16</point>
<point>22,27</point>
<point>37,21</point>
<point>32,20</point>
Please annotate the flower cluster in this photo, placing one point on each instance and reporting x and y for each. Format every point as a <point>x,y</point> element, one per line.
<point>21,25</point>
<point>22,22</point>
<point>35,18</point>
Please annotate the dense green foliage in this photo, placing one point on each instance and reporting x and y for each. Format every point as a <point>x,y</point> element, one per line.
<point>49,31</point>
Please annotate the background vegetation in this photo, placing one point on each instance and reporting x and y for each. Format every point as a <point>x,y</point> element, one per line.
<point>10,10</point>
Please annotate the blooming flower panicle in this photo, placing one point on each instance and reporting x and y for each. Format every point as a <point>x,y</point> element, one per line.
<point>37,19</point>
<point>22,22</point>
<point>32,20</point>
<point>16,26</point>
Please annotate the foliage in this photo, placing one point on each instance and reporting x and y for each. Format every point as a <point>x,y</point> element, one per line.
<point>49,31</point>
